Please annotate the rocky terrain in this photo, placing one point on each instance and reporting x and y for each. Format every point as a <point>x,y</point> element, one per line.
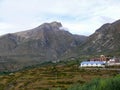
<point>51,42</point>
<point>105,40</point>
<point>47,42</point>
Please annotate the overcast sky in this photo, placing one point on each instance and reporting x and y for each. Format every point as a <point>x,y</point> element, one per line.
<point>79,16</point>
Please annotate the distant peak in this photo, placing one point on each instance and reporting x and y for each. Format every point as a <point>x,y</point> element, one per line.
<point>116,22</point>
<point>35,32</point>
<point>56,24</point>
<point>104,27</point>
<point>50,26</point>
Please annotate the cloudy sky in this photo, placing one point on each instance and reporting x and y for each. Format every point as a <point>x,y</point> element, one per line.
<point>79,16</point>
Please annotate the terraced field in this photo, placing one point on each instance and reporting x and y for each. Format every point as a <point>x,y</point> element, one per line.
<point>51,77</point>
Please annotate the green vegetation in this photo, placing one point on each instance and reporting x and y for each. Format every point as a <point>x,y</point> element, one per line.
<point>57,76</point>
<point>99,84</point>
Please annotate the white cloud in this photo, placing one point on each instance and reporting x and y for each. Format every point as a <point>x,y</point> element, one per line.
<point>5,26</point>
<point>80,16</point>
<point>64,28</point>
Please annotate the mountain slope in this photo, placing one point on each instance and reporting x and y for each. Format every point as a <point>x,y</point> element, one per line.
<point>105,39</point>
<point>47,42</point>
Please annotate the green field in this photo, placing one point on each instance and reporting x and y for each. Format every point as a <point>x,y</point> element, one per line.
<point>51,77</point>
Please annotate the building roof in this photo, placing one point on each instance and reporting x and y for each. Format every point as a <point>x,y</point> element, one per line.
<point>92,62</point>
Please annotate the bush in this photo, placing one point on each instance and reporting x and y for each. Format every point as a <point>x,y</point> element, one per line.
<point>1,87</point>
<point>99,84</point>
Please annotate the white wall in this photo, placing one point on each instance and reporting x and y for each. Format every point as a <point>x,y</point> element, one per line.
<point>92,65</point>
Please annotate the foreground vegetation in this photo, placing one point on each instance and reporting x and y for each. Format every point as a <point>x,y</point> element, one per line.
<point>54,77</point>
<point>99,84</point>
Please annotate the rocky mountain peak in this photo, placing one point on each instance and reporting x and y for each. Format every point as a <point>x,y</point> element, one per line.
<point>46,42</point>
<point>50,26</point>
<point>103,28</point>
<point>105,39</point>
<point>39,31</point>
<point>109,27</point>
<point>56,24</point>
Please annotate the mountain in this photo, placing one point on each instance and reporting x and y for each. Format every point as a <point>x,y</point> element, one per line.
<point>51,42</point>
<point>106,39</point>
<point>47,42</point>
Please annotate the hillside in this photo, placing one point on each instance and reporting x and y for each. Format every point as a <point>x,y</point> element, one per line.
<point>47,42</point>
<point>51,42</point>
<point>105,40</point>
<point>51,77</point>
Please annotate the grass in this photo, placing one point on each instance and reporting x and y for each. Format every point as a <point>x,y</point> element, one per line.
<point>99,84</point>
<point>51,77</point>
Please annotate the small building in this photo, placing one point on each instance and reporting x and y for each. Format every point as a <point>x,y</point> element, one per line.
<point>113,61</point>
<point>92,64</point>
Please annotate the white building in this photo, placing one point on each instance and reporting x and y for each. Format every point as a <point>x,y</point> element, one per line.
<point>92,64</point>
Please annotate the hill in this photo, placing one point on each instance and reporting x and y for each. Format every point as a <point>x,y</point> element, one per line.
<point>47,42</point>
<point>51,42</point>
<point>106,40</point>
<point>52,77</point>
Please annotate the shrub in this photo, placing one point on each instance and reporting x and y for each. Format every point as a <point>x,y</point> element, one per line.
<point>99,84</point>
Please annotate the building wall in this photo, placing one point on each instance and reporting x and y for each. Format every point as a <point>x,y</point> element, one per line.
<point>92,65</point>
